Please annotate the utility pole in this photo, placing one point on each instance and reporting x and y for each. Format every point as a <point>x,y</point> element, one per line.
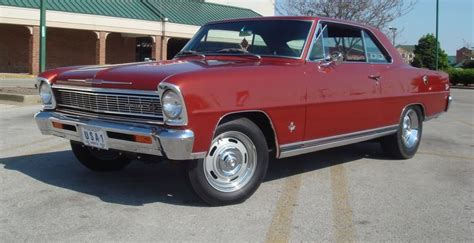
<point>437,42</point>
<point>394,34</point>
<point>42,36</point>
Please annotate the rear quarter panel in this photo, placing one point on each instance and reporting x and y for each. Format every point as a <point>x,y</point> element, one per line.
<point>405,86</point>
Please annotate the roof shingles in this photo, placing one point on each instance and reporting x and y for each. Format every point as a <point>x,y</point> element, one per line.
<point>192,12</point>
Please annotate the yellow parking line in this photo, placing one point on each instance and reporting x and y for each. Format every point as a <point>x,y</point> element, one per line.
<point>280,228</point>
<point>343,227</point>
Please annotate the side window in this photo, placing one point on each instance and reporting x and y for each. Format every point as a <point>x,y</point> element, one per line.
<point>346,40</point>
<point>317,49</point>
<point>374,50</point>
<point>339,38</point>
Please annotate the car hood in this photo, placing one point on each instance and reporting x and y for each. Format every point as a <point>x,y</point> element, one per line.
<point>140,76</point>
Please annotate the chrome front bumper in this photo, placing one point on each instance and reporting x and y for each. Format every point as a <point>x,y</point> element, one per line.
<point>450,100</point>
<point>173,144</point>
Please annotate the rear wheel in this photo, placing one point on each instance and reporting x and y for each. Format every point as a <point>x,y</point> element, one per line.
<point>98,159</point>
<point>235,165</point>
<point>405,143</point>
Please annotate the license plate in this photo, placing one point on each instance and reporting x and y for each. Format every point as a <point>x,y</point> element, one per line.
<point>94,137</point>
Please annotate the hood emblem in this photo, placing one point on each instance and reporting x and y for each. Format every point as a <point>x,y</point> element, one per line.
<point>98,81</point>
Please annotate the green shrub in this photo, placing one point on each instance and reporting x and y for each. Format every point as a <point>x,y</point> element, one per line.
<point>461,76</point>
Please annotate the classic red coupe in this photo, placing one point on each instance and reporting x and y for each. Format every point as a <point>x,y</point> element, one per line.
<point>241,92</point>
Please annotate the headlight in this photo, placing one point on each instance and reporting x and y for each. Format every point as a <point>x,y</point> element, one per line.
<point>172,105</point>
<point>46,94</point>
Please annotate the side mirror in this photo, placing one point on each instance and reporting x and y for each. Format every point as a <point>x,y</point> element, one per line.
<point>333,59</point>
<point>336,57</point>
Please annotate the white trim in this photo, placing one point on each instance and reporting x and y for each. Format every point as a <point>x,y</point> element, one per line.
<point>180,30</point>
<point>58,19</point>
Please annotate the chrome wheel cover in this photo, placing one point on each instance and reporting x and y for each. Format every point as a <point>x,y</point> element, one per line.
<point>410,129</point>
<point>231,161</point>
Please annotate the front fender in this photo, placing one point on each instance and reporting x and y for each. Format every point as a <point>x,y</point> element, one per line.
<point>211,95</point>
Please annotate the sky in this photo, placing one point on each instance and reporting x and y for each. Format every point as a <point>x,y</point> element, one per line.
<point>456,23</point>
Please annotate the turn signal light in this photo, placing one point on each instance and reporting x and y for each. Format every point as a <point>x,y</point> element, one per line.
<point>58,125</point>
<point>142,139</point>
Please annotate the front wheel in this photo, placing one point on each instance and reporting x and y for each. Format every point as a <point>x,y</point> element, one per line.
<point>405,143</point>
<point>235,165</point>
<point>99,160</point>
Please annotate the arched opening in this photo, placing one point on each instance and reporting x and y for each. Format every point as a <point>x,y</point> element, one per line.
<point>14,48</point>
<point>144,47</point>
<point>174,46</point>
<point>120,48</point>
<point>68,47</point>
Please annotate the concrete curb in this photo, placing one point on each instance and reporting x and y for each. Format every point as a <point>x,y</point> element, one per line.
<point>26,99</point>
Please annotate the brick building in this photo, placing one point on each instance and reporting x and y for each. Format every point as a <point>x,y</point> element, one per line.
<point>464,54</point>
<point>82,32</point>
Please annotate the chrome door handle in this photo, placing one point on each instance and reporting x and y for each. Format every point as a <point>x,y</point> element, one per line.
<point>374,77</point>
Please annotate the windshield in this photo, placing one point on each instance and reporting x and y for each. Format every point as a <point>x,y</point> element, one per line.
<point>285,38</point>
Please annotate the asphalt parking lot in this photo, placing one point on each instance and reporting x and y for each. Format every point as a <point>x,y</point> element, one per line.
<point>352,193</point>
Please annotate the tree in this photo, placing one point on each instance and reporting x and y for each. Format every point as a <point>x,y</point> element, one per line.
<point>425,54</point>
<point>378,13</point>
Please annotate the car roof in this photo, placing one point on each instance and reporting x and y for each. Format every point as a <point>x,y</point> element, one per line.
<point>301,18</point>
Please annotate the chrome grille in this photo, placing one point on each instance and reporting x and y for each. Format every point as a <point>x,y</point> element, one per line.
<point>136,105</point>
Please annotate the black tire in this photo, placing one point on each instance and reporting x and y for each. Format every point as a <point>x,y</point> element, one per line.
<point>99,160</point>
<point>199,178</point>
<point>394,146</point>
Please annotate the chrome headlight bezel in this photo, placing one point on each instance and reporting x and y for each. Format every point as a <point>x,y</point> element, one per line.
<point>172,104</point>
<point>45,89</point>
<point>180,119</point>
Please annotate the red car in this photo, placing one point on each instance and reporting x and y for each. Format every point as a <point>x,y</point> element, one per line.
<point>241,92</point>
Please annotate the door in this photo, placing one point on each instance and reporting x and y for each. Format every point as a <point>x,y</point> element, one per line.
<point>342,98</point>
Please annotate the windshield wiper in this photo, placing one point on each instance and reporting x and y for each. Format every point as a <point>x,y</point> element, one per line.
<point>190,53</point>
<point>239,51</point>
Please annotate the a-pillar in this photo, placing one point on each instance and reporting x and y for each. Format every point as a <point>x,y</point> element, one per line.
<point>100,47</point>
<point>34,51</point>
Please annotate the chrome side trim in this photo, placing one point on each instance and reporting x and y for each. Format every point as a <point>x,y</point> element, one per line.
<point>293,149</point>
<point>104,90</point>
